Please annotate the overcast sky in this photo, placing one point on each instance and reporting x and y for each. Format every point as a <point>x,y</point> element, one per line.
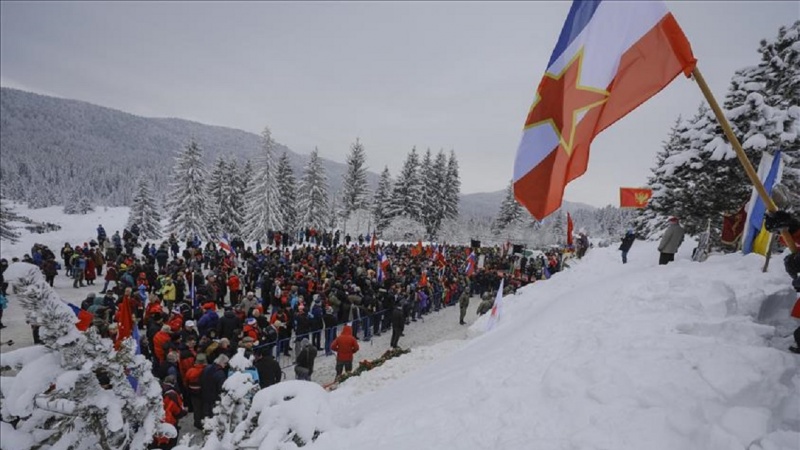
<point>439,75</point>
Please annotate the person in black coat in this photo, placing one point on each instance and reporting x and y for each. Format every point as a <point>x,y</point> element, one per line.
<point>269,371</point>
<point>398,324</point>
<point>211,382</point>
<point>626,244</point>
<point>228,324</point>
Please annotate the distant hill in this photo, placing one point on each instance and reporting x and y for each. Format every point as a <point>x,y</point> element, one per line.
<point>52,147</point>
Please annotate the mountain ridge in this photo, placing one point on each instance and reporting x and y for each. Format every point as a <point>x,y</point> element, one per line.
<point>37,129</point>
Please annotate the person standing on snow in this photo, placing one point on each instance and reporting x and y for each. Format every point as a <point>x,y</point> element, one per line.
<point>625,246</point>
<point>670,242</point>
<point>345,347</point>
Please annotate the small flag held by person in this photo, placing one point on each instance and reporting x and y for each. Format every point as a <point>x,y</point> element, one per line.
<point>494,314</point>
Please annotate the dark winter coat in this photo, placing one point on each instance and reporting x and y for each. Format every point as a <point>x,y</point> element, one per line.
<point>211,381</point>
<point>269,371</point>
<point>228,325</point>
<point>208,322</point>
<point>627,242</point>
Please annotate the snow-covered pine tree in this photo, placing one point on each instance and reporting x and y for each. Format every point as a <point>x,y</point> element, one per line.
<point>354,186</point>
<point>407,191</point>
<point>333,213</point>
<point>511,212</point>
<point>231,209</point>
<point>381,200</point>
<point>652,218</point>
<point>56,399</point>
<point>287,188</point>
<point>144,212</point>
<point>72,205</point>
<point>242,181</point>
<point>313,202</point>
<point>215,191</point>
<point>263,199</point>
<point>187,203</point>
<point>231,410</point>
<point>7,231</point>
<point>85,206</point>
<point>431,197</point>
<point>763,104</point>
<point>452,188</point>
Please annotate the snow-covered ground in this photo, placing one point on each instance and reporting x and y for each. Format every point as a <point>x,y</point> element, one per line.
<point>601,356</point>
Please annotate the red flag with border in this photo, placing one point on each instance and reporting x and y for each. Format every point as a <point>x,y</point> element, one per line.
<point>733,226</point>
<point>610,58</point>
<point>634,198</point>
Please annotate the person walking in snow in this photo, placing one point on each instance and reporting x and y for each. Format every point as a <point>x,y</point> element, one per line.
<point>625,246</point>
<point>670,242</point>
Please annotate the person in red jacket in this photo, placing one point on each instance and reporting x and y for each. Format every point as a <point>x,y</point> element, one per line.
<point>192,382</point>
<point>345,347</point>
<point>235,287</point>
<point>160,340</point>
<point>173,412</point>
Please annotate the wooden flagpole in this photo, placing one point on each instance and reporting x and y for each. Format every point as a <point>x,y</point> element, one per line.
<point>748,167</point>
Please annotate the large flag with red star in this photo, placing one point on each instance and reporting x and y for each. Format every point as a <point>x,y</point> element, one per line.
<point>610,58</point>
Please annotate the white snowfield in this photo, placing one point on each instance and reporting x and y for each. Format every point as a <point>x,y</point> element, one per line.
<point>602,356</point>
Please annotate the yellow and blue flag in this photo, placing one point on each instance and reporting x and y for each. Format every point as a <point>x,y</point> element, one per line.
<point>756,237</point>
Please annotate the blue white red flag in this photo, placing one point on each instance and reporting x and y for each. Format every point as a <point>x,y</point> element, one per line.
<point>225,244</point>
<point>611,57</point>
<point>85,318</point>
<point>383,266</point>
<point>471,263</point>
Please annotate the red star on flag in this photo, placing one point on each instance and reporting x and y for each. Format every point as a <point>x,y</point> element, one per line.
<point>560,99</point>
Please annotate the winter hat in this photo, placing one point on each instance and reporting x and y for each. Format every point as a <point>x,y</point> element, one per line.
<point>210,305</point>
<point>250,321</point>
<point>189,323</point>
<point>201,358</point>
<point>247,339</point>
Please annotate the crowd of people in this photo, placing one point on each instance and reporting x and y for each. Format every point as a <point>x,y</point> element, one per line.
<point>284,302</point>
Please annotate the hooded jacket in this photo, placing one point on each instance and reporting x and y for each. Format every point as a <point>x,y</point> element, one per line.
<point>345,345</point>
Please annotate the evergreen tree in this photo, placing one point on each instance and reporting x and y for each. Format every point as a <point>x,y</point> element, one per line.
<point>664,181</point>
<point>217,196</point>
<point>313,202</point>
<point>407,191</point>
<point>434,198</point>
<point>511,212</point>
<point>381,201</point>
<point>452,188</point>
<point>57,397</point>
<point>231,209</point>
<point>263,199</point>
<point>354,187</point>
<point>187,203</point>
<point>72,205</point>
<point>287,188</point>
<point>85,206</point>
<point>144,212</point>
<point>7,231</point>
